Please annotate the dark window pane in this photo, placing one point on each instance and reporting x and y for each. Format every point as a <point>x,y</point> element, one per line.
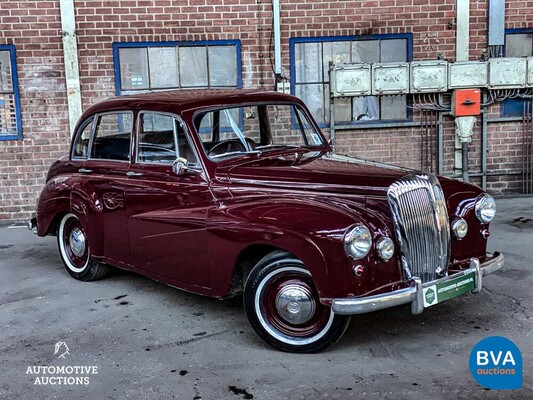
<point>6,79</point>
<point>222,66</point>
<point>113,137</point>
<point>392,107</point>
<point>163,67</point>
<point>366,51</point>
<point>8,119</point>
<point>338,52</point>
<point>308,63</point>
<point>519,44</point>
<point>193,66</point>
<point>134,68</point>
<point>394,50</point>
<point>312,95</point>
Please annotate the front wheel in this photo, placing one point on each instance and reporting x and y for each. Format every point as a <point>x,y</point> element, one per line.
<point>283,307</point>
<point>75,253</point>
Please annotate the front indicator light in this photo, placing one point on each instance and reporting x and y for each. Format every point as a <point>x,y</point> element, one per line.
<point>385,248</point>
<point>459,228</point>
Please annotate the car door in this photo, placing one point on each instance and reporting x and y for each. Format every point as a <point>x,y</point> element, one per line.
<point>105,178</point>
<point>166,213</point>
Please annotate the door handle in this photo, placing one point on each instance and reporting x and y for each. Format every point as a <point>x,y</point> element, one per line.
<point>85,171</point>
<point>131,173</point>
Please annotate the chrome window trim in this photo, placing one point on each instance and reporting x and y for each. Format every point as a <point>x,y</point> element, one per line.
<point>197,166</point>
<point>79,131</point>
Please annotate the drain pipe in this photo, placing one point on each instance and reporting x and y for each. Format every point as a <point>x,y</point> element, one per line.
<point>464,128</point>
<point>462,45</point>
<point>277,37</point>
<point>70,54</point>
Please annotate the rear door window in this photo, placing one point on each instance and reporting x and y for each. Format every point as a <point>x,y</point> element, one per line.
<point>112,137</point>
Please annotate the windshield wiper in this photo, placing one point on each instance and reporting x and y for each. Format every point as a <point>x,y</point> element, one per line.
<point>273,146</point>
<point>230,153</point>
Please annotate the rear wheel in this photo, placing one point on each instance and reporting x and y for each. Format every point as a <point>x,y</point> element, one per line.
<point>282,305</point>
<point>75,252</point>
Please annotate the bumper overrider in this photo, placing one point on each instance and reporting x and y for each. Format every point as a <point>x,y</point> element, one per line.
<point>417,294</point>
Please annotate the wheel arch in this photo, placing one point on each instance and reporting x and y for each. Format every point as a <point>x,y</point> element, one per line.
<point>245,261</point>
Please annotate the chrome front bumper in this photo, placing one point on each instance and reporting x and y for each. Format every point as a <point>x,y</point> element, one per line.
<point>415,293</point>
<point>32,225</point>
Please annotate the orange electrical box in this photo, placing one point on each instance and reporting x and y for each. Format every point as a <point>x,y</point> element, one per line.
<point>466,102</point>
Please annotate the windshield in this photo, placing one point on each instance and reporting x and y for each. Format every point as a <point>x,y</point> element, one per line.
<point>237,130</point>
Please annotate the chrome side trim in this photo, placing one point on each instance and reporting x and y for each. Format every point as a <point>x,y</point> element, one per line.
<point>415,293</point>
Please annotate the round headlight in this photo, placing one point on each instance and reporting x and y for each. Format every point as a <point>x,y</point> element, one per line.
<point>459,227</point>
<point>357,241</point>
<point>385,248</point>
<point>485,208</point>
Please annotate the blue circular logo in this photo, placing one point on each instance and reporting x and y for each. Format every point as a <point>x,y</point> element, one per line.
<point>496,363</point>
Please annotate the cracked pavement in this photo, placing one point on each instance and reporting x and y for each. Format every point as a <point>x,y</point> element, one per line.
<point>151,341</point>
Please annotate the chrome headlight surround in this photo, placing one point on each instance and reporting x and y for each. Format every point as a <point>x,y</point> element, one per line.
<point>459,227</point>
<point>485,208</point>
<point>357,241</point>
<point>385,248</point>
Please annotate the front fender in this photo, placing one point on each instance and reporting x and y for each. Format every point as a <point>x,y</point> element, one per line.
<point>309,228</point>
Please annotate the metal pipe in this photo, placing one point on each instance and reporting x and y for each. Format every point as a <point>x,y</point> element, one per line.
<point>483,151</point>
<point>524,149</point>
<point>464,154</point>
<point>331,110</point>
<point>277,36</point>
<point>440,138</point>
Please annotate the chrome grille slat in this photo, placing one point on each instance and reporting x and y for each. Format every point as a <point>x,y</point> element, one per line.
<point>421,221</point>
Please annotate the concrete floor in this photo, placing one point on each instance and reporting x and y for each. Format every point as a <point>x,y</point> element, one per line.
<point>151,341</point>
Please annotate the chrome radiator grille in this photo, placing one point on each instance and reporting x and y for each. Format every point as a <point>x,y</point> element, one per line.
<point>421,222</point>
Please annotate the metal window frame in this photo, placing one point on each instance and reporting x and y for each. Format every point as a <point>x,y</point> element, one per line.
<point>14,78</point>
<point>505,106</point>
<point>353,38</point>
<point>207,43</point>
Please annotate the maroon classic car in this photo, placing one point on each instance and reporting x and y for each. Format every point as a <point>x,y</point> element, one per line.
<point>229,192</point>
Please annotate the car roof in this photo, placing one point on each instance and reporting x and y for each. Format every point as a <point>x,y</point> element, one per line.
<point>177,101</point>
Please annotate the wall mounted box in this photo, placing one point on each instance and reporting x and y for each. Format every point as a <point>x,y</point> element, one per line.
<point>390,78</point>
<point>467,74</point>
<point>507,73</point>
<point>351,80</point>
<point>429,76</point>
<point>466,102</point>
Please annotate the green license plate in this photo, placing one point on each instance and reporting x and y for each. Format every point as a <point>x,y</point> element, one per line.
<point>443,291</point>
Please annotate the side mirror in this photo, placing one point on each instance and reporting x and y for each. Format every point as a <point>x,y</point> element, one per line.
<point>180,166</point>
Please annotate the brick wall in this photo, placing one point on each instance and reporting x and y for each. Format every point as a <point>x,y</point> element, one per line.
<point>34,27</point>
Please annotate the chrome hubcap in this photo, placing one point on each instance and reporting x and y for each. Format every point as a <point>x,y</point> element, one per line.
<point>295,304</point>
<point>77,242</point>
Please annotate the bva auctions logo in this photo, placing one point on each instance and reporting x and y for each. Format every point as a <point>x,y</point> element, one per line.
<point>496,363</point>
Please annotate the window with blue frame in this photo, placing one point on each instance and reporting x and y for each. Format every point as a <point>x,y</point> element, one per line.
<point>142,67</point>
<point>518,43</point>
<point>10,117</point>
<point>310,59</point>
